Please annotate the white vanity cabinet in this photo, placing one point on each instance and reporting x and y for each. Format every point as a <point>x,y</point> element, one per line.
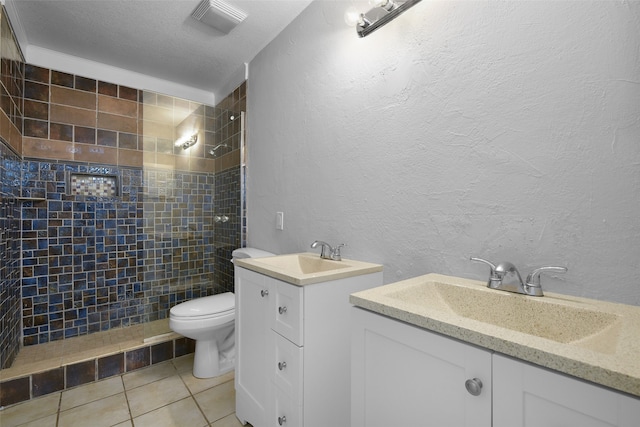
<point>527,395</point>
<point>406,375</point>
<point>293,350</point>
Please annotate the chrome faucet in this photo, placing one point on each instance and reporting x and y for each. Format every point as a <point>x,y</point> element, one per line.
<point>327,252</point>
<point>532,286</point>
<point>505,277</point>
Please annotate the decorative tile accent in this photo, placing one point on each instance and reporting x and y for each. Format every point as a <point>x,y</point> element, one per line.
<point>109,366</point>
<point>138,358</point>
<point>47,382</point>
<point>93,185</point>
<point>15,391</point>
<point>184,346</point>
<point>161,352</point>
<point>80,373</point>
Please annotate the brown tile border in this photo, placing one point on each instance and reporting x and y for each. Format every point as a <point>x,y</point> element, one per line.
<point>17,390</point>
<point>47,149</point>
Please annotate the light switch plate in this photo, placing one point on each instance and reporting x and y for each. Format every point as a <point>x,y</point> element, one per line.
<point>279,220</point>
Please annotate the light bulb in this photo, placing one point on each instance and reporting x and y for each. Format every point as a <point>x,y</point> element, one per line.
<point>387,5</point>
<point>351,16</point>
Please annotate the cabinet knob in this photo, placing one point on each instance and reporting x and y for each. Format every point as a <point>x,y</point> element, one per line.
<point>264,293</point>
<point>282,420</point>
<point>474,386</point>
<point>282,365</point>
<point>282,310</point>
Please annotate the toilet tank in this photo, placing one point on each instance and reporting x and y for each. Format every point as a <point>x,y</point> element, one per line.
<point>250,253</point>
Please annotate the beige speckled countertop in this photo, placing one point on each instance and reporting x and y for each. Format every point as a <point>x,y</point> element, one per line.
<point>609,357</point>
<point>307,268</point>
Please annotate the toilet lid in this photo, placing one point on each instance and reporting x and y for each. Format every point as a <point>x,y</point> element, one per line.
<point>205,306</point>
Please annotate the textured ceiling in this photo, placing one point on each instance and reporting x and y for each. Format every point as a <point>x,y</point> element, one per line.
<point>158,38</point>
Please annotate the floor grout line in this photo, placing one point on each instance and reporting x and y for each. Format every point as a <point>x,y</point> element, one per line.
<point>126,398</point>
<point>195,400</point>
<point>59,408</point>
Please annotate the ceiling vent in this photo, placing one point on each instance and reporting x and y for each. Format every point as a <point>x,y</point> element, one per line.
<point>219,15</point>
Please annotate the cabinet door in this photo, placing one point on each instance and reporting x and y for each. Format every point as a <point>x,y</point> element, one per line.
<point>406,376</point>
<point>253,339</point>
<point>288,311</point>
<point>284,411</point>
<point>527,395</point>
<point>286,367</point>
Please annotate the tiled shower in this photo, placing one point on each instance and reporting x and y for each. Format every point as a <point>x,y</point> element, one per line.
<point>105,221</point>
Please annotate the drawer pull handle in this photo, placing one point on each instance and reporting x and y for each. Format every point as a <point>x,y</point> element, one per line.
<point>474,386</point>
<point>264,293</point>
<point>282,420</point>
<point>282,310</point>
<point>282,365</point>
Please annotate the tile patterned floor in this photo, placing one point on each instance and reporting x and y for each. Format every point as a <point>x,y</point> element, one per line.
<point>165,394</point>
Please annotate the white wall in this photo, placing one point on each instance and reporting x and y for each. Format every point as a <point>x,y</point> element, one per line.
<point>504,130</point>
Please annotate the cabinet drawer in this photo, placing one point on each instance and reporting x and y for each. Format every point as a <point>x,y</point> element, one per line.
<point>288,312</point>
<point>285,412</point>
<point>286,365</point>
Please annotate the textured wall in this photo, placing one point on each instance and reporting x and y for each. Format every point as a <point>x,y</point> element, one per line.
<point>505,130</point>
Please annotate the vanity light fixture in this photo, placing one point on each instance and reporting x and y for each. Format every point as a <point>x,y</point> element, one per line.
<point>189,142</point>
<point>383,11</point>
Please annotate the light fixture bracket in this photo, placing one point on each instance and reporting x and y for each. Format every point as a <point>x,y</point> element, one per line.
<point>190,142</point>
<point>374,20</point>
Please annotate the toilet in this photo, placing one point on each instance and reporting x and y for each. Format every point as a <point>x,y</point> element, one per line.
<point>210,322</point>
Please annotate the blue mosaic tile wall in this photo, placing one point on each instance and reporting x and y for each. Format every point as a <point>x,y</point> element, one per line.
<point>79,253</point>
<point>177,246</point>
<point>10,327</point>
<point>228,235</point>
<point>94,263</point>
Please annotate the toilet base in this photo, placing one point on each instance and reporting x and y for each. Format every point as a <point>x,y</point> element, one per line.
<point>209,362</point>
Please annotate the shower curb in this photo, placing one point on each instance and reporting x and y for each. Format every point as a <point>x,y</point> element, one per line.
<point>37,384</point>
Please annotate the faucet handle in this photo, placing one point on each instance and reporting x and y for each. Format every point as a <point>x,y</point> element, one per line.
<point>335,253</point>
<point>533,279</point>
<point>490,264</point>
<point>495,277</point>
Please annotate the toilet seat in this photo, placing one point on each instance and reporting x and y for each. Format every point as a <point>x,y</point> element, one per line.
<point>213,306</point>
